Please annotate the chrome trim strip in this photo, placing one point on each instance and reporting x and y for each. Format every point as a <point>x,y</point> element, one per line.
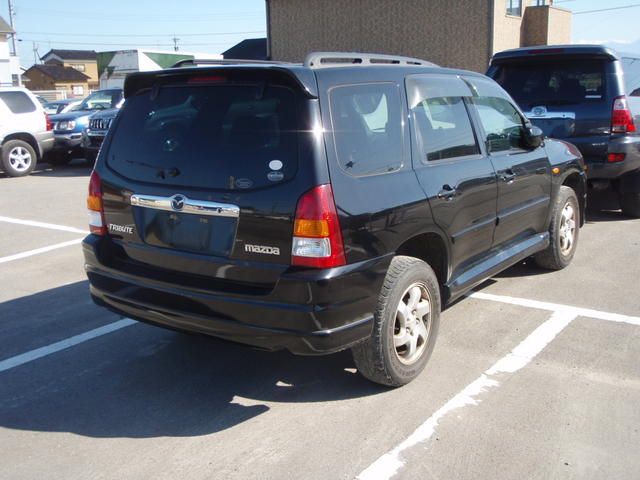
<point>196,207</point>
<point>550,115</point>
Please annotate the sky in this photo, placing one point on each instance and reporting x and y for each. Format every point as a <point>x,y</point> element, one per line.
<point>212,26</point>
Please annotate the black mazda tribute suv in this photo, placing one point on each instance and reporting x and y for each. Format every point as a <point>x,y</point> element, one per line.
<point>315,207</point>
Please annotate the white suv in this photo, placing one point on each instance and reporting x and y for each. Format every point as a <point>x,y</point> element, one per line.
<point>26,132</point>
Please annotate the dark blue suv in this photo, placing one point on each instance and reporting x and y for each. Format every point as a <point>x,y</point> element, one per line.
<point>588,95</point>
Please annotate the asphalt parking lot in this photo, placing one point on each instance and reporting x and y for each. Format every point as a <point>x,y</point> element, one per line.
<point>536,375</point>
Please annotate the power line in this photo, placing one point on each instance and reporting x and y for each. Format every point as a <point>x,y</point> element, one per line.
<point>142,34</point>
<point>88,43</point>
<point>608,9</point>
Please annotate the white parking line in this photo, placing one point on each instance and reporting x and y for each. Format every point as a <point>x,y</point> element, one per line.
<point>50,226</point>
<point>32,355</point>
<point>37,251</point>
<point>391,462</point>
<point>556,307</point>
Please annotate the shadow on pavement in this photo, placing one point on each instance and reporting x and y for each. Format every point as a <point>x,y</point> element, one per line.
<point>143,381</point>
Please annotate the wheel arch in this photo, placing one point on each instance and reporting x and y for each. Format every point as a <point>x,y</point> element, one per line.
<point>431,247</point>
<point>25,137</point>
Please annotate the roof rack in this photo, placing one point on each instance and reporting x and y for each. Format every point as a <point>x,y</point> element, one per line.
<point>193,62</point>
<point>348,59</point>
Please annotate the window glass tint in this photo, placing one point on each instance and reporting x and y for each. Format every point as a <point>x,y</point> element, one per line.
<point>552,82</point>
<point>501,122</point>
<point>221,137</point>
<point>17,102</point>
<point>101,100</point>
<point>367,128</point>
<point>443,128</point>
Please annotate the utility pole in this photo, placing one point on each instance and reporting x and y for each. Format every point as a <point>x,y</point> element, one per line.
<point>35,52</point>
<point>175,43</point>
<point>12,14</point>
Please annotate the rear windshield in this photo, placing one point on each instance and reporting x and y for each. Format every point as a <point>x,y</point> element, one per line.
<point>553,82</point>
<point>208,136</point>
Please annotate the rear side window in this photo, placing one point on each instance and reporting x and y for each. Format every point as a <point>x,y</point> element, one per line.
<point>367,128</point>
<point>17,102</point>
<point>501,122</point>
<point>553,82</point>
<point>220,137</point>
<point>443,128</point>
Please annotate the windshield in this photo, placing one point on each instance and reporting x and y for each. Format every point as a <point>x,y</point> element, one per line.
<point>553,82</point>
<point>223,137</point>
<point>101,100</point>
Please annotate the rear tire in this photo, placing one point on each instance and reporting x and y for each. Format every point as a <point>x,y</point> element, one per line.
<point>405,326</point>
<point>630,204</point>
<point>564,230</point>
<point>18,158</point>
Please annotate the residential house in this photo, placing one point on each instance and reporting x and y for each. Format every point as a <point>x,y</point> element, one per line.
<point>84,61</point>
<point>57,77</point>
<point>9,63</point>
<point>452,33</point>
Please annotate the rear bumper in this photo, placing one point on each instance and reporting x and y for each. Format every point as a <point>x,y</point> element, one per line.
<point>307,312</point>
<point>601,169</point>
<point>67,141</point>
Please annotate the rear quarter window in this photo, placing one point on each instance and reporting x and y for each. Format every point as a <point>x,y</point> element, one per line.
<point>17,102</point>
<point>221,137</point>
<point>367,128</point>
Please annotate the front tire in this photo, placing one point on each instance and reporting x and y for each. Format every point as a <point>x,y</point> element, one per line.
<point>405,326</point>
<point>564,230</point>
<point>18,158</point>
<point>630,204</point>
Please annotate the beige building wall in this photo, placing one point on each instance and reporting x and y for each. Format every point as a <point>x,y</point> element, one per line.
<point>452,33</point>
<point>506,28</point>
<point>559,26</point>
<point>90,70</point>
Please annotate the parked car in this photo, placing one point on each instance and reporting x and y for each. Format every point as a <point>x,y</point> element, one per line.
<point>95,133</point>
<point>578,93</point>
<point>69,127</point>
<point>61,106</point>
<point>25,131</point>
<point>318,207</point>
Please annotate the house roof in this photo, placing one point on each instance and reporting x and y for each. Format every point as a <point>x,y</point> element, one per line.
<point>248,49</point>
<point>59,73</point>
<point>71,54</point>
<point>5,27</point>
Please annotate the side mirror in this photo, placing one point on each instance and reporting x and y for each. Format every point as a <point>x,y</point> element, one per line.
<point>532,137</point>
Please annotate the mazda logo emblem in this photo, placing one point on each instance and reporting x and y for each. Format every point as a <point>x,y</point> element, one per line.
<point>177,202</point>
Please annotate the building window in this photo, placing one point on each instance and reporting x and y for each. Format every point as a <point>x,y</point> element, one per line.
<point>77,90</point>
<point>78,66</point>
<point>514,7</point>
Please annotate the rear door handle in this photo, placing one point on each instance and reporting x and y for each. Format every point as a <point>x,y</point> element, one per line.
<point>447,192</point>
<point>508,176</point>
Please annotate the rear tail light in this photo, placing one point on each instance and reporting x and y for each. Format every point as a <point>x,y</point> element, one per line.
<point>48,121</point>
<point>317,239</point>
<point>615,157</point>
<point>97,225</point>
<point>621,118</point>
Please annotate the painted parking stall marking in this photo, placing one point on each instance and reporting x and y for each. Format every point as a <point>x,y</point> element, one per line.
<point>38,251</point>
<point>390,463</point>
<point>32,355</point>
<point>50,226</point>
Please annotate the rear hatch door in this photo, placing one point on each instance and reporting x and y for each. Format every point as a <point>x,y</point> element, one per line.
<point>568,98</point>
<point>201,175</point>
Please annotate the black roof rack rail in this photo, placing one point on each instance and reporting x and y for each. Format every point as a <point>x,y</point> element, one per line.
<point>193,62</point>
<point>347,59</point>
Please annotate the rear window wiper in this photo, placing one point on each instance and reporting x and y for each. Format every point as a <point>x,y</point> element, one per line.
<point>160,172</point>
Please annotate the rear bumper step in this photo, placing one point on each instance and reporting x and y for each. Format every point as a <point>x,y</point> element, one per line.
<point>309,312</point>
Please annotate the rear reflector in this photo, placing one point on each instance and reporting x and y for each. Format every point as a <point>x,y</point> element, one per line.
<point>621,118</point>
<point>317,239</point>
<point>615,157</point>
<point>97,225</point>
<point>48,121</point>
